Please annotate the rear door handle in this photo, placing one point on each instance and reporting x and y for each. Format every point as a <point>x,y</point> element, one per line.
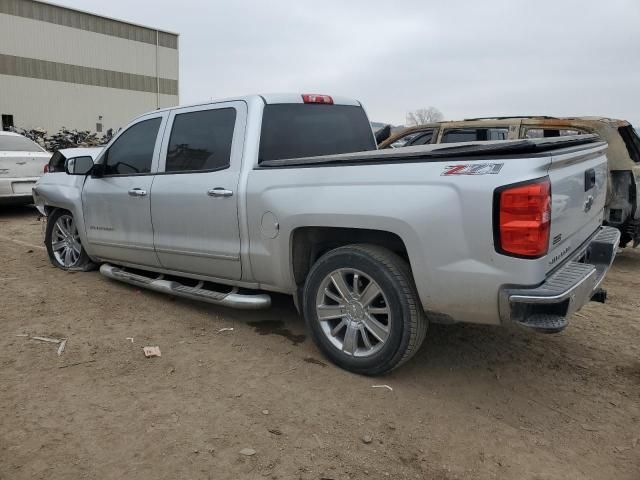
<point>137,192</point>
<point>219,192</point>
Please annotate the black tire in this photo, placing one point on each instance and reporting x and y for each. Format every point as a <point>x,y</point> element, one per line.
<point>83,262</point>
<point>407,325</point>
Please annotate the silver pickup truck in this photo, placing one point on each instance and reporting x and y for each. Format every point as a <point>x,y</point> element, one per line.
<point>226,201</point>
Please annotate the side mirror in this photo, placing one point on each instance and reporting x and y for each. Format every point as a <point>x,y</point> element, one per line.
<point>78,166</point>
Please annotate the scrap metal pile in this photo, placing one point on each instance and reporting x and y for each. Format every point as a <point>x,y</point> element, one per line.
<point>65,138</point>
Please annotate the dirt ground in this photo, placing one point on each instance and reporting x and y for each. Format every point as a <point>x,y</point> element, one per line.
<point>475,403</point>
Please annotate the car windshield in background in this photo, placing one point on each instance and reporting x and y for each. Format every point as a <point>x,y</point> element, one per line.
<point>632,141</point>
<point>11,143</point>
<point>309,130</point>
<point>422,137</point>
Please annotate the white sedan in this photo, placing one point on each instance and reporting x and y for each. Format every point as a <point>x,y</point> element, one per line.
<point>22,162</point>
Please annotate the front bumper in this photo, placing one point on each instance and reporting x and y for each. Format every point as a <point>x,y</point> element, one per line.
<point>548,306</point>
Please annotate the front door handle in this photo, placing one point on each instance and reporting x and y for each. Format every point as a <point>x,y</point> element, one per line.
<point>137,192</point>
<point>219,192</point>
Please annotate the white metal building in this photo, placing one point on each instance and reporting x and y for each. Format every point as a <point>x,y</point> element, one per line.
<point>65,67</point>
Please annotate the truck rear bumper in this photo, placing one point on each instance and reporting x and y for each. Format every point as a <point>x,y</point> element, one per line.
<point>548,306</point>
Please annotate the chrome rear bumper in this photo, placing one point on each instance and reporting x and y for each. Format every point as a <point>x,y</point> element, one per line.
<point>548,306</point>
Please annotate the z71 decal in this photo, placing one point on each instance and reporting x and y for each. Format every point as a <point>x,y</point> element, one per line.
<point>473,169</point>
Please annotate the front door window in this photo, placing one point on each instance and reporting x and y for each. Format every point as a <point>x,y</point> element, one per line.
<point>132,152</point>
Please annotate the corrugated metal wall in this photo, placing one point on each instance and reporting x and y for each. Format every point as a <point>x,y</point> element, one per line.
<point>60,67</point>
<point>71,105</point>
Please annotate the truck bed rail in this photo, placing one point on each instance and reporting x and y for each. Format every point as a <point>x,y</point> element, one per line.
<point>433,153</point>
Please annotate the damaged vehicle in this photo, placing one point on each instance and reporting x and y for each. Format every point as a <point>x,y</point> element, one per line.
<point>22,162</point>
<point>224,202</point>
<point>622,209</point>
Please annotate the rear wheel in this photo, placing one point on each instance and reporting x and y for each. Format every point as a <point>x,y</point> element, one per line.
<point>363,310</point>
<point>63,243</point>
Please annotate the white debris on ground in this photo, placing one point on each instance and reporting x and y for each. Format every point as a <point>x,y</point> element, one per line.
<point>382,386</point>
<point>151,352</point>
<point>61,342</point>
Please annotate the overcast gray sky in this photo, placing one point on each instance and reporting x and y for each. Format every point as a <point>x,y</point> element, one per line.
<point>468,58</point>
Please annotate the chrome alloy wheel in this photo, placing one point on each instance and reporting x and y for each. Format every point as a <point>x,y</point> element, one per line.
<point>65,241</point>
<point>353,312</point>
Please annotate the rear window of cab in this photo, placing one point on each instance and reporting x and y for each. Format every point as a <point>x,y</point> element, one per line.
<point>296,130</point>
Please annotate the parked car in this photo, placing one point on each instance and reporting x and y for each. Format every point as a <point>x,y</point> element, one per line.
<point>22,162</point>
<point>226,201</point>
<point>622,209</point>
<point>59,157</point>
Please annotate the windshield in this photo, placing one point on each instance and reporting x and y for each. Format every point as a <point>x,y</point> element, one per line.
<point>13,143</point>
<point>631,140</point>
<point>296,130</point>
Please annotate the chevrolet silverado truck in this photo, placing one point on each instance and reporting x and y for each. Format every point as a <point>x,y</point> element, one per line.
<point>227,201</point>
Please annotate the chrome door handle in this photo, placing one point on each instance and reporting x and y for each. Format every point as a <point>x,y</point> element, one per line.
<point>219,192</point>
<point>137,192</point>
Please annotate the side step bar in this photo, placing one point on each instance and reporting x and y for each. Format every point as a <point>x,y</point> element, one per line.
<point>233,299</point>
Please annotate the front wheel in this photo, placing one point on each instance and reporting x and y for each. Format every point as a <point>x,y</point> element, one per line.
<point>362,309</point>
<point>63,243</point>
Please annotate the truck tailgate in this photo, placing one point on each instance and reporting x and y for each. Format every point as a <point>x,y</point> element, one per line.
<point>578,195</point>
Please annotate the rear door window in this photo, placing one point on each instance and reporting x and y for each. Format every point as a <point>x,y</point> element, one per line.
<point>132,152</point>
<point>308,130</point>
<point>455,135</point>
<point>201,140</point>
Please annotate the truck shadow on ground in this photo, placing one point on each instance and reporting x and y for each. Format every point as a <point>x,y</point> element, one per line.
<point>8,212</point>
<point>463,348</point>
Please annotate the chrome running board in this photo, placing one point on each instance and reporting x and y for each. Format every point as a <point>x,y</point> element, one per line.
<point>232,299</point>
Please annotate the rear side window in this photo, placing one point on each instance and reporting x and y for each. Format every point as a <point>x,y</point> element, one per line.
<point>132,152</point>
<point>454,135</point>
<point>310,130</point>
<point>550,132</point>
<point>18,143</point>
<point>631,140</point>
<point>201,140</point>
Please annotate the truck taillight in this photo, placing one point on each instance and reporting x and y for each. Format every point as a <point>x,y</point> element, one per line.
<point>315,98</point>
<point>46,168</point>
<point>522,219</point>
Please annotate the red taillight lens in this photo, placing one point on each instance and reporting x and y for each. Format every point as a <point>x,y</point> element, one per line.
<point>315,98</point>
<point>524,219</point>
<point>46,168</point>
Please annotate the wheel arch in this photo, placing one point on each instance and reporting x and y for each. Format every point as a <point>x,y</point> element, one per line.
<point>309,243</point>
